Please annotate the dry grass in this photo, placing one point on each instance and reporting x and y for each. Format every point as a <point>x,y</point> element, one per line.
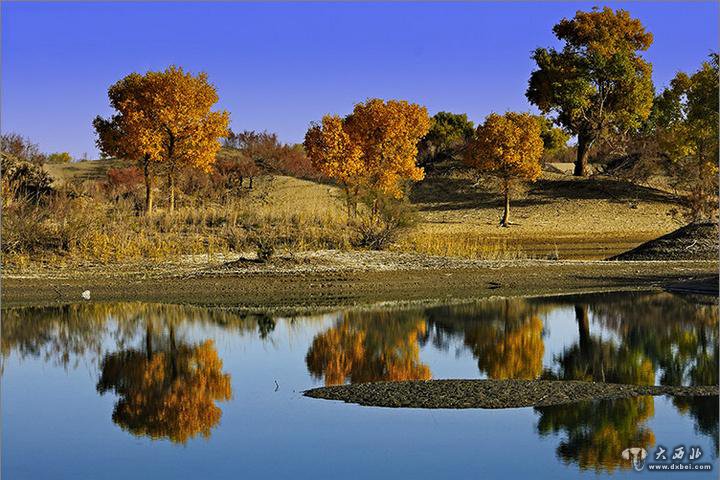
<point>465,245</point>
<point>559,217</point>
<point>73,230</point>
<point>83,170</point>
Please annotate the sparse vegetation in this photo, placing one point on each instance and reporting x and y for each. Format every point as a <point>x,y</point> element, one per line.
<point>465,245</point>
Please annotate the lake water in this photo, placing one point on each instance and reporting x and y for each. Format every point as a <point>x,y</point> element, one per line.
<point>134,390</point>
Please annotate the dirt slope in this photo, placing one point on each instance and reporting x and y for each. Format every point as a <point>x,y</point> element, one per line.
<point>697,241</point>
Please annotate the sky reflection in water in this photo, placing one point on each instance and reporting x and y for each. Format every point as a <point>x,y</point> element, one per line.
<point>164,391</point>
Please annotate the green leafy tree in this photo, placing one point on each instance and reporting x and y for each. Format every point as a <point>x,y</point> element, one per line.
<point>448,134</point>
<point>554,138</point>
<point>686,121</point>
<point>598,82</point>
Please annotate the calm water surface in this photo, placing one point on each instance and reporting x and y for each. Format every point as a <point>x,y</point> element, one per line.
<point>134,390</point>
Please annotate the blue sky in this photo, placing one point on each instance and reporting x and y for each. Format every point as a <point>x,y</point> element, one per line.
<point>279,66</point>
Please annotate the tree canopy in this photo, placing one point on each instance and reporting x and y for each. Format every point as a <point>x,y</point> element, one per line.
<point>369,347</point>
<point>448,134</point>
<point>508,147</point>
<point>685,117</point>
<point>553,138</point>
<point>163,117</point>
<point>375,147</point>
<point>168,393</point>
<point>598,82</point>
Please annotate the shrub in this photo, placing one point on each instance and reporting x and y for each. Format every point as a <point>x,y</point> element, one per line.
<point>265,242</point>
<point>21,148</point>
<point>382,221</point>
<point>59,157</point>
<point>121,181</point>
<point>23,180</point>
<point>291,160</point>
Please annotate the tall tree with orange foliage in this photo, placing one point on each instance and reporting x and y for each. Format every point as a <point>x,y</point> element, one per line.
<point>508,147</point>
<point>181,108</point>
<point>164,117</point>
<point>373,148</point>
<point>130,132</point>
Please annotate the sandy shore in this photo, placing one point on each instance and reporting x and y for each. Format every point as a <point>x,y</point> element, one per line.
<point>330,279</point>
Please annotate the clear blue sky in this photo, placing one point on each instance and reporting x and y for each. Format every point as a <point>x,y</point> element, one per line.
<point>279,66</point>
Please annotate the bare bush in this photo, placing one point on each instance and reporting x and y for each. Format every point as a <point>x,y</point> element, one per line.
<point>382,221</point>
<point>23,180</point>
<point>21,148</point>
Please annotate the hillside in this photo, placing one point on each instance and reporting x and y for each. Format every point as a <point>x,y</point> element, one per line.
<point>590,218</point>
<point>84,170</point>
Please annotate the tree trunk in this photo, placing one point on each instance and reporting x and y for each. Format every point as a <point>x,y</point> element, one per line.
<point>506,214</point>
<point>351,201</point>
<point>148,340</point>
<point>347,202</point>
<point>148,186</point>
<point>583,148</point>
<point>354,201</point>
<point>171,184</point>
<point>583,321</point>
<point>173,352</point>
<point>171,169</point>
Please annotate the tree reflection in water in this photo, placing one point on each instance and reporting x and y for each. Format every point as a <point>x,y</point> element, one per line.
<point>593,359</point>
<point>368,347</point>
<point>505,336</point>
<point>170,388</point>
<point>704,411</point>
<point>637,337</point>
<point>167,389</point>
<point>653,334</point>
<point>596,432</point>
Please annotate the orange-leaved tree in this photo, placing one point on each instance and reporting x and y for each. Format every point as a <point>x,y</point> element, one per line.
<point>181,106</point>
<point>374,148</point>
<point>130,132</point>
<point>164,117</point>
<point>507,147</point>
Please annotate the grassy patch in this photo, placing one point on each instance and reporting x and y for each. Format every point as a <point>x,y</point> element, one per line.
<point>461,244</point>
